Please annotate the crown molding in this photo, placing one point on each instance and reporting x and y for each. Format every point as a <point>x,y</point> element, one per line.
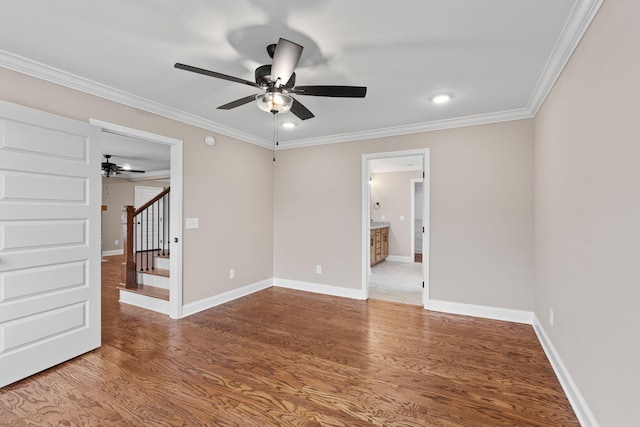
<point>54,75</point>
<point>579,20</point>
<point>479,119</point>
<point>577,24</point>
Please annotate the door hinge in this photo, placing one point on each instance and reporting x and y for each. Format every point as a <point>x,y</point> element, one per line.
<point>422,285</point>
<point>422,174</point>
<point>423,229</point>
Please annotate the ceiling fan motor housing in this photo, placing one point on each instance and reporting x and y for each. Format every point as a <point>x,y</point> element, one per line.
<point>263,77</point>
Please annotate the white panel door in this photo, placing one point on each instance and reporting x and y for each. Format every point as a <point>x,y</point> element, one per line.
<point>49,240</point>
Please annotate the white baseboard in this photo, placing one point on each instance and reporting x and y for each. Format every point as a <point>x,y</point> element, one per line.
<point>319,288</point>
<point>495,313</point>
<point>143,301</point>
<point>114,252</point>
<point>584,414</point>
<point>579,405</point>
<point>398,258</point>
<point>224,297</point>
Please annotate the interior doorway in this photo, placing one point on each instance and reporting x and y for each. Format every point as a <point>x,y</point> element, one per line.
<point>389,202</point>
<point>175,203</point>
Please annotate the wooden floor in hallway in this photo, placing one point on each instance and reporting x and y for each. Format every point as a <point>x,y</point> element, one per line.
<point>290,358</point>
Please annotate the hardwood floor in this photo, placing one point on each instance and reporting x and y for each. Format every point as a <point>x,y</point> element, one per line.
<point>283,357</point>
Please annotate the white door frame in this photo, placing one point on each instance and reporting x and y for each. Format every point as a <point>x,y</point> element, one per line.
<point>176,145</point>
<point>366,203</point>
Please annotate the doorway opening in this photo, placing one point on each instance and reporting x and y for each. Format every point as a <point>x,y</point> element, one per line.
<point>395,226</point>
<point>173,177</point>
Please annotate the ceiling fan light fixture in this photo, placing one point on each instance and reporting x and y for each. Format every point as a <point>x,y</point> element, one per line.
<point>274,102</point>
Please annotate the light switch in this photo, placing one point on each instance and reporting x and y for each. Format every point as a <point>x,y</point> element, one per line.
<point>193,223</point>
<point>401,217</point>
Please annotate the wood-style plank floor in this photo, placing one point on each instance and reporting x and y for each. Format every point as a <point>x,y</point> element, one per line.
<point>290,358</point>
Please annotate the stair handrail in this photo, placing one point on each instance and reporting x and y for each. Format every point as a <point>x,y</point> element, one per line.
<point>130,274</point>
<point>159,196</point>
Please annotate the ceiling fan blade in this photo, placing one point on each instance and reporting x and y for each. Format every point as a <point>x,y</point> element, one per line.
<point>214,74</point>
<point>333,91</point>
<point>237,102</point>
<point>285,60</point>
<point>120,169</point>
<point>301,111</point>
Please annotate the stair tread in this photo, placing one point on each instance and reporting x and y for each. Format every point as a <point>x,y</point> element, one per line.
<point>150,291</point>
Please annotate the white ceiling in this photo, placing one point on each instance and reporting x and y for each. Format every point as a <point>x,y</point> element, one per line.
<point>497,58</point>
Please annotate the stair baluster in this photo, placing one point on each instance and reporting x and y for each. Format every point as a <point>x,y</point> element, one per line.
<point>140,240</point>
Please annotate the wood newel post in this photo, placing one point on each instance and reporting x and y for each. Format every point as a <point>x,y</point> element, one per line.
<point>130,273</point>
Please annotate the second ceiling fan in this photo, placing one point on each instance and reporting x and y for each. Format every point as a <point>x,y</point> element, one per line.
<point>278,81</point>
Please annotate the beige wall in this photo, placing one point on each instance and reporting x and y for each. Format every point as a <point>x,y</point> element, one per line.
<point>393,191</point>
<point>117,193</point>
<point>587,214</point>
<point>228,186</point>
<point>481,212</point>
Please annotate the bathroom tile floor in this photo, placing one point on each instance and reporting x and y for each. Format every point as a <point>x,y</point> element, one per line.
<point>397,282</point>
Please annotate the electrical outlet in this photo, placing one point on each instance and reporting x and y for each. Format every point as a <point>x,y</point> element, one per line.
<point>318,269</point>
<point>551,316</point>
<point>232,273</point>
<point>117,242</point>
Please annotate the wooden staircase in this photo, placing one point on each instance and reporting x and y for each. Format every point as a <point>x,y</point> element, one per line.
<point>146,273</point>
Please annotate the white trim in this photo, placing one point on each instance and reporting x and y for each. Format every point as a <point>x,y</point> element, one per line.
<point>365,196</point>
<point>143,301</point>
<point>319,288</point>
<point>175,225</point>
<point>398,258</point>
<point>578,403</point>
<point>112,253</point>
<point>486,312</point>
<point>154,280</point>
<point>136,133</point>
<point>581,16</point>
<point>176,145</point>
<point>579,20</point>
<point>426,224</point>
<point>224,297</point>
<point>480,119</point>
<point>54,75</point>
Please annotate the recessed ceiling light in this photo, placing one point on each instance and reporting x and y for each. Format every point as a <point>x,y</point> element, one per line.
<point>441,99</point>
<point>288,125</point>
